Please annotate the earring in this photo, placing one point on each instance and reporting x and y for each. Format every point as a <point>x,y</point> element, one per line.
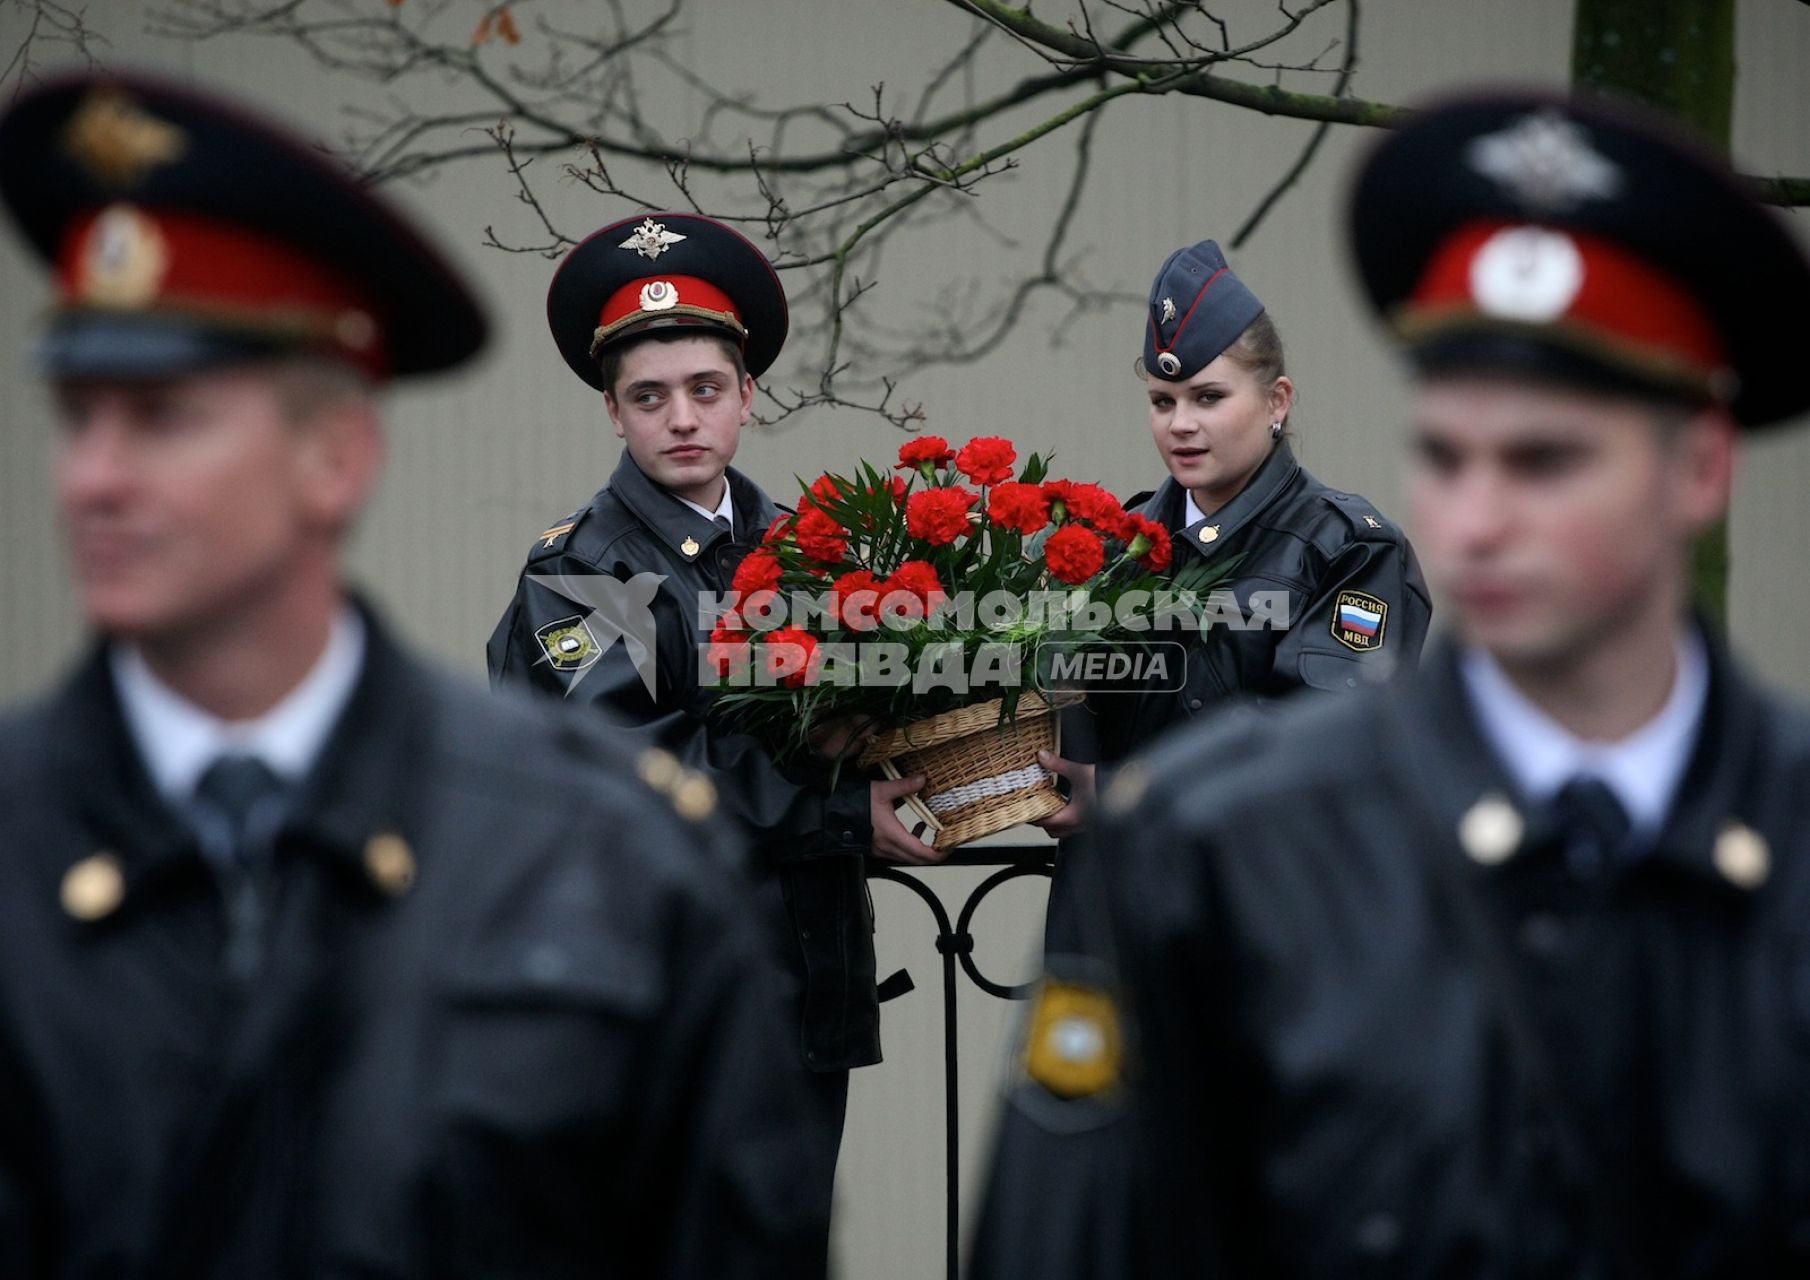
<point>1275,430</point>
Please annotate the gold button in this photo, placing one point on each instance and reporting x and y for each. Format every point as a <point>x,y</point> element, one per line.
<point>1490,831</point>
<point>1209,533</point>
<point>659,769</point>
<point>1127,788</point>
<point>1742,856</point>
<point>694,799</point>
<point>94,887</point>
<point>390,863</point>
<point>689,546</point>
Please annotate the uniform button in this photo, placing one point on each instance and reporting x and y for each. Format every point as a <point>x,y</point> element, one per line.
<point>1378,1235</point>
<point>1542,934</point>
<point>1194,704</point>
<point>848,837</point>
<point>810,1055</point>
<point>805,934</point>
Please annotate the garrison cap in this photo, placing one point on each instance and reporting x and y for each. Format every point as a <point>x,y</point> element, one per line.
<point>1197,309</point>
<point>185,233</point>
<point>662,271</point>
<point>1582,240</point>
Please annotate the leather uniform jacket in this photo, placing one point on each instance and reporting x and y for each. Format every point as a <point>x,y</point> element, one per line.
<point>1383,1027</point>
<point>510,1018</point>
<point>1344,578</point>
<point>810,840</point>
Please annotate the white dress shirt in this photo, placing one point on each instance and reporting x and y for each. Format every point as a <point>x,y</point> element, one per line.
<point>1643,769</point>
<point>725,508</point>
<point>178,741</point>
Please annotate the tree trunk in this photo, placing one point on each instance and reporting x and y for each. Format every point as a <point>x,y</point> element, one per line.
<point>1678,55</point>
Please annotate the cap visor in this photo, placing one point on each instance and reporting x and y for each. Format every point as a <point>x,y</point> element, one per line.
<point>119,346</point>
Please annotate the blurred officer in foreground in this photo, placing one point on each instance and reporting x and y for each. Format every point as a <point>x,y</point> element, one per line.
<point>672,316</point>
<point>311,962</point>
<point>1504,970</point>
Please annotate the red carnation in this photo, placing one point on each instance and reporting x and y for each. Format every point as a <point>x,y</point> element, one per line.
<point>931,450</point>
<point>919,578</point>
<point>759,572</point>
<point>784,648</point>
<point>820,536</point>
<point>1099,508</point>
<point>856,616</point>
<point>986,459</point>
<point>782,524</point>
<point>1019,506</point>
<point>825,488</point>
<point>1149,544</point>
<point>1074,554</point>
<point>728,651</point>
<point>939,516</point>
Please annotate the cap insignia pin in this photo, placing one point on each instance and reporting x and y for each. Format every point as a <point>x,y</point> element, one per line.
<point>1168,310</point>
<point>119,142</point>
<point>1169,363</point>
<point>123,259</point>
<point>1546,162</point>
<point>659,295</point>
<point>651,239</point>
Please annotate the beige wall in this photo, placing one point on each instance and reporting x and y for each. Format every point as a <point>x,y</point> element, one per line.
<point>481,463</point>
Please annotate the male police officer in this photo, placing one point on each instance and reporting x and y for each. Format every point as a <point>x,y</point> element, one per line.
<point>1503,971</point>
<point>672,316</point>
<point>312,963</point>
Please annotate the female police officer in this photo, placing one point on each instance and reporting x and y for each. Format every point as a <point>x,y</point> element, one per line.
<point>1329,591</point>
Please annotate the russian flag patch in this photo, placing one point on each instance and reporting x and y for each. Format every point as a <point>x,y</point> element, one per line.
<point>1358,620</point>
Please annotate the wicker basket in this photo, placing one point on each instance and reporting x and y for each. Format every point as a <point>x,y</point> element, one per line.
<point>980,776</point>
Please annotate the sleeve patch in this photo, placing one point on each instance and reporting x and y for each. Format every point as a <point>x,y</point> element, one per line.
<point>1359,620</point>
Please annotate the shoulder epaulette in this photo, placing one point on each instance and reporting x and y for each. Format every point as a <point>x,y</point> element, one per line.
<point>553,539</point>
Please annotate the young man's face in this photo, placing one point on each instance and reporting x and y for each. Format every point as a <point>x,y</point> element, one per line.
<point>680,407</point>
<point>187,501</point>
<point>1554,519</point>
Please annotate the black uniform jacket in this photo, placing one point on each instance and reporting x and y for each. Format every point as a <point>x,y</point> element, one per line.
<point>550,1052</point>
<point>1376,1031</point>
<point>810,840</point>
<point>1297,550</point>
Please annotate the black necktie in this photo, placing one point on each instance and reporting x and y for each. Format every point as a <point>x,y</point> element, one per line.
<point>1592,823</point>
<point>722,522</point>
<point>239,807</point>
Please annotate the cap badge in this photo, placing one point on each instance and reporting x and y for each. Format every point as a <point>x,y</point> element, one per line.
<point>1546,162</point>
<point>1527,273</point>
<point>1168,310</point>
<point>659,295</point>
<point>1170,364</point>
<point>651,239</point>
<point>119,142</point>
<point>123,259</point>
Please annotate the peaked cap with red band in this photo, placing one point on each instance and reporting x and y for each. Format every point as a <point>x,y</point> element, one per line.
<point>187,233</point>
<point>1586,241</point>
<point>1197,309</point>
<point>662,271</point>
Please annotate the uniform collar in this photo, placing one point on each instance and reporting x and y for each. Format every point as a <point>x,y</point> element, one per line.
<point>1171,502</point>
<point>725,508</point>
<point>365,781</point>
<point>1454,768</point>
<point>680,525</point>
<point>1643,769</point>
<point>178,740</point>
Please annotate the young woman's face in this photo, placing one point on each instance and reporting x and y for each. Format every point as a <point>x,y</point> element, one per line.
<point>1213,430</point>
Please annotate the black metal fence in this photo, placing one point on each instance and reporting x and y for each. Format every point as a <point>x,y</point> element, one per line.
<point>955,944</point>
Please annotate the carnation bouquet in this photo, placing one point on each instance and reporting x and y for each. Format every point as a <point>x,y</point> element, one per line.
<point>940,603</point>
